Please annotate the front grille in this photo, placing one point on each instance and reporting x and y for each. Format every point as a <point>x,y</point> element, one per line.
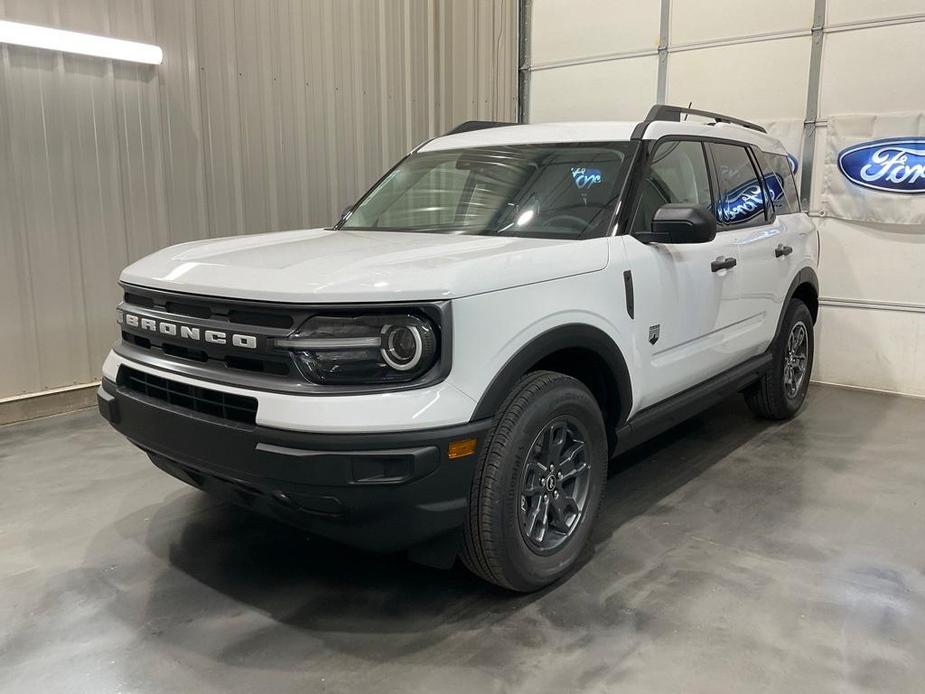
<point>265,364</point>
<point>237,312</point>
<point>235,408</point>
<point>229,315</point>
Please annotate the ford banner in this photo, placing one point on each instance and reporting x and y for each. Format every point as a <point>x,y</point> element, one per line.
<point>895,165</point>
<point>874,169</point>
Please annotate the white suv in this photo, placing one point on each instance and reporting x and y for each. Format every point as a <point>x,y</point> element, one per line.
<point>450,367</point>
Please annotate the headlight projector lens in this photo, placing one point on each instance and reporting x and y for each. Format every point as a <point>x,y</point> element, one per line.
<point>402,346</point>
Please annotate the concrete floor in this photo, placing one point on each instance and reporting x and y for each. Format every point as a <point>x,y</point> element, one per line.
<point>732,555</point>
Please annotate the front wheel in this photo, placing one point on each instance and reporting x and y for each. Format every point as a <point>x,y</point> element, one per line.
<point>781,391</point>
<point>538,484</point>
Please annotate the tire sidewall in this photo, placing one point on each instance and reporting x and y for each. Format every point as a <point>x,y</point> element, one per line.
<point>797,312</point>
<point>523,567</point>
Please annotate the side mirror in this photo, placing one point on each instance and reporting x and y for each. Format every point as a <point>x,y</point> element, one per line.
<point>680,223</point>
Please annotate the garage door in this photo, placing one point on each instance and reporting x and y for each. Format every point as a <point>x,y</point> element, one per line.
<point>851,68</point>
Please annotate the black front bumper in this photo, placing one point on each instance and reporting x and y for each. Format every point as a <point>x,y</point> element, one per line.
<point>382,492</point>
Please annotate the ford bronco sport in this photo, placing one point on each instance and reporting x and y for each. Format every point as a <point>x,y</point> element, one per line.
<point>449,368</point>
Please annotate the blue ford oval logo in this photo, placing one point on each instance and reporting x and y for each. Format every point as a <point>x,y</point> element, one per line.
<point>794,163</point>
<point>896,165</point>
<point>747,200</point>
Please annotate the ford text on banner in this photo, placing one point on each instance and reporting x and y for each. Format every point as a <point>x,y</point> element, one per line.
<point>875,168</point>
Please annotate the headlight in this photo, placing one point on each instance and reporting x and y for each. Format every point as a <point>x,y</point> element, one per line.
<point>365,349</point>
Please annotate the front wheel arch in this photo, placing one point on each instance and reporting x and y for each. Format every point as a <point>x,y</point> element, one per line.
<point>581,351</point>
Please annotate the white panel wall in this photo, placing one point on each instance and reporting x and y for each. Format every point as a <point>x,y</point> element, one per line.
<point>717,78</point>
<point>841,12</point>
<point>873,70</point>
<point>576,93</point>
<point>593,28</point>
<point>873,274</point>
<point>751,58</point>
<point>589,63</point>
<point>696,21</point>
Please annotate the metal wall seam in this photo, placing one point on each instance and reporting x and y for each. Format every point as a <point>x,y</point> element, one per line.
<point>669,48</point>
<point>664,29</point>
<point>524,9</point>
<point>875,23</point>
<point>738,40</point>
<point>871,304</point>
<point>812,103</point>
<point>588,60</point>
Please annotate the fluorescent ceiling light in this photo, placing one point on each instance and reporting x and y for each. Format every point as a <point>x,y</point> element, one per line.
<point>75,42</point>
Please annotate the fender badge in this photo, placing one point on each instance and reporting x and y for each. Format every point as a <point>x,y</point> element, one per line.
<point>653,333</point>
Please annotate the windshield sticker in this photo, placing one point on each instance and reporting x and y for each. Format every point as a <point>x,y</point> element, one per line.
<point>585,178</point>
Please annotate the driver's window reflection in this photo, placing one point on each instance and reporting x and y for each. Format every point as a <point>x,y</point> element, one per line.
<point>677,173</point>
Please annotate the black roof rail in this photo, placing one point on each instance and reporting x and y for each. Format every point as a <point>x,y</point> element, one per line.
<point>666,112</point>
<point>471,125</point>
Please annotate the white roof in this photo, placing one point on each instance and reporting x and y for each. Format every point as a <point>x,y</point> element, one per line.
<point>597,131</point>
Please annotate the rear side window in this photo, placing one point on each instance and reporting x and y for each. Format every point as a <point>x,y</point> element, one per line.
<point>741,195</point>
<point>779,182</point>
<point>677,173</point>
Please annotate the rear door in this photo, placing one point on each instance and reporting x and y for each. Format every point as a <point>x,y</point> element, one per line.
<point>789,248</point>
<point>684,310</point>
<point>750,222</point>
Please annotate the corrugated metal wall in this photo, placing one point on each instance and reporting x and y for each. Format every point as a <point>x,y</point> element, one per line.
<point>266,114</point>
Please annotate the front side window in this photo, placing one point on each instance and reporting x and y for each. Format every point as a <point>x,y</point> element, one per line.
<point>741,192</point>
<point>555,191</point>
<point>677,173</point>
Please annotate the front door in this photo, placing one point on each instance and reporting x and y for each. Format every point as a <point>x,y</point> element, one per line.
<point>687,308</point>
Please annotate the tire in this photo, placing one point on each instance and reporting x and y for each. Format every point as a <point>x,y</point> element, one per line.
<point>547,439</point>
<point>773,396</point>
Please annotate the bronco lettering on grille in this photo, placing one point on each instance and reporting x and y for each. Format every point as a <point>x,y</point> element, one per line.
<point>186,332</point>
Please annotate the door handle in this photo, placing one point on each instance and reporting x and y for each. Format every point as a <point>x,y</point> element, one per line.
<point>722,264</point>
<point>782,250</point>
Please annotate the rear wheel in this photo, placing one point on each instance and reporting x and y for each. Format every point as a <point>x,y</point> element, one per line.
<point>781,391</point>
<point>538,484</point>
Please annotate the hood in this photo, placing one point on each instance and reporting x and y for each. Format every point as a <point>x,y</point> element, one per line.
<point>327,266</point>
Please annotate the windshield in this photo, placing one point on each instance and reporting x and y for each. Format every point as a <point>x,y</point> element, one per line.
<point>555,191</point>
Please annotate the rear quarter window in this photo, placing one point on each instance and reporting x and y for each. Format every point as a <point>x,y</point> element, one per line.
<point>781,186</point>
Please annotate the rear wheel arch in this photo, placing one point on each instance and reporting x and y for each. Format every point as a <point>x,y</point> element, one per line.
<point>809,295</point>
<point>805,287</point>
<point>581,351</point>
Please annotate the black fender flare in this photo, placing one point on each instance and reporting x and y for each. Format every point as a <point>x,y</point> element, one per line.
<point>568,336</point>
<point>805,276</point>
